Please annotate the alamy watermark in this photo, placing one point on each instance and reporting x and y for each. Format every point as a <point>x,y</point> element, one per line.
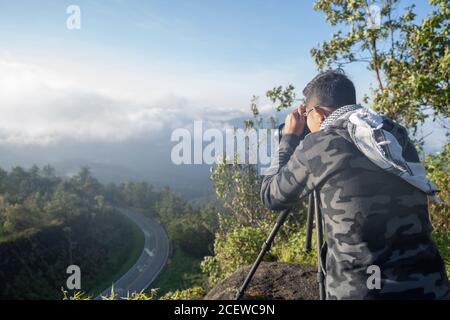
<point>214,146</point>
<point>73,21</point>
<point>74,280</point>
<point>374,17</point>
<point>374,280</point>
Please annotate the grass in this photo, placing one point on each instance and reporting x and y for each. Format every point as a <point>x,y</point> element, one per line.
<point>181,272</point>
<point>136,243</point>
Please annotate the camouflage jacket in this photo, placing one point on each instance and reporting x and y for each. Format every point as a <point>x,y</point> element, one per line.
<point>371,217</point>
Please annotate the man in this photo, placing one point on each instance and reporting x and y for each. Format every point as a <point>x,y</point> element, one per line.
<point>373,195</point>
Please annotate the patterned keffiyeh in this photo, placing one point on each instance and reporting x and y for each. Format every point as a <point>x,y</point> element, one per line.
<point>366,129</point>
<point>338,113</point>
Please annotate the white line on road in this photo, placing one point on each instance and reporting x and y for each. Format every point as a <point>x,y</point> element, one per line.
<point>150,253</point>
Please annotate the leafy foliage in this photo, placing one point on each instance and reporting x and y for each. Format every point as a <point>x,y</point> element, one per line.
<point>48,223</point>
<point>194,293</point>
<point>409,59</point>
<point>438,169</point>
<point>237,188</point>
<point>191,228</point>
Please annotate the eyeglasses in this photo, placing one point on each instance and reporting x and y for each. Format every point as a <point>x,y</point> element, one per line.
<point>306,113</point>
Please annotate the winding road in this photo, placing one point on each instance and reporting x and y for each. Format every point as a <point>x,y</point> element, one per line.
<point>151,261</point>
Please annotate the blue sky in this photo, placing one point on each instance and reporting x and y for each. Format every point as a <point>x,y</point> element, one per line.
<point>225,34</point>
<point>139,63</point>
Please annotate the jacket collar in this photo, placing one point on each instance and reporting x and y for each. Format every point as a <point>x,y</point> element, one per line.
<point>338,113</point>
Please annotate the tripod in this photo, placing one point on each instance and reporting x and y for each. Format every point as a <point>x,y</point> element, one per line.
<point>313,207</point>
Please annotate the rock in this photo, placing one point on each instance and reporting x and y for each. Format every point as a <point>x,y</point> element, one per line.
<point>272,281</point>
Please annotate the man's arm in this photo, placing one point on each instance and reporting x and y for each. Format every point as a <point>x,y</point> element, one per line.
<point>288,178</point>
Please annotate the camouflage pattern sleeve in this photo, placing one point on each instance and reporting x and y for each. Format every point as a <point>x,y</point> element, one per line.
<point>289,179</point>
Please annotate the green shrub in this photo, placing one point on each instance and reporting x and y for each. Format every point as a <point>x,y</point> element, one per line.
<point>438,169</point>
<point>195,293</point>
<point>292,249</point>
<point>236,248</point>
<point>241,245</point>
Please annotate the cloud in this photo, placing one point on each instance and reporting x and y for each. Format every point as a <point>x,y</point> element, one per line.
<point>42,104</point>
<point>48,101</point>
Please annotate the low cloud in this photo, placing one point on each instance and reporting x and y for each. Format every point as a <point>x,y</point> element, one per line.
<point>39,105</point>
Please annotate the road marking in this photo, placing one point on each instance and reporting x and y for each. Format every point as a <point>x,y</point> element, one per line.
<point>150,253</point>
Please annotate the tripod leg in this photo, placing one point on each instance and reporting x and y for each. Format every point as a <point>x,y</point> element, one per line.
<point>320,274</point>
<point>309,223</point>
<point>265,248</point>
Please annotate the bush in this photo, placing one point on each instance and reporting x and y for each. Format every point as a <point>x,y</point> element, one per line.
<point>292,250</point>
<point>195,293</point>
<point>438,169</point>
<point>241,245</point>
<point>236,248</point>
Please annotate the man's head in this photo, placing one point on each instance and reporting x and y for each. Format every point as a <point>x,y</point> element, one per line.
<point>327,92</point>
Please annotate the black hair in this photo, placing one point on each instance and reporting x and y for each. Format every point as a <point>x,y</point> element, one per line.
<point>331,89</point>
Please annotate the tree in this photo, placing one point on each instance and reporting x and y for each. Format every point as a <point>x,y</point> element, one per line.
<point>48,222</point>
<point>85,182</point>
<point>237,188</point>
<point>410,60</point>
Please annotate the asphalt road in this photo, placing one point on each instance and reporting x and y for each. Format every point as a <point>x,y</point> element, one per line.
<point>151,261</point>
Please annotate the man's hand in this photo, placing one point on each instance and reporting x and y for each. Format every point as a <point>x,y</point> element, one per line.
<point>295,122</point>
